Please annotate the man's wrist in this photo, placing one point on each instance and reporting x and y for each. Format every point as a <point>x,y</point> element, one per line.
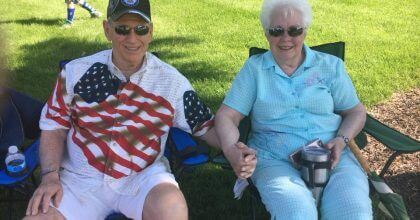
<point>49,171</point>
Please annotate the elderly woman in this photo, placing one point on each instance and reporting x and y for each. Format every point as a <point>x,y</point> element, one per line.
<point>293,95</point>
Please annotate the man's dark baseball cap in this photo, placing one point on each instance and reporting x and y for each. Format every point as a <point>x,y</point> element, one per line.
<point>118,8</point>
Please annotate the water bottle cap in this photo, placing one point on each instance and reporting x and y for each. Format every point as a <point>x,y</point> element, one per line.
<point>13,149</point>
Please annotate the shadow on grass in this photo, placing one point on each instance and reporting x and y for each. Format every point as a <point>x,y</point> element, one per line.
<point>208,191</point>
<point>163,46</point>
<point>193,70</point>
<point>40,21</point>
<point>39,65</point>
<point>407,185</point>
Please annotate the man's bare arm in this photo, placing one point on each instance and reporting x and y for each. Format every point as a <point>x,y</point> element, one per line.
<point>51,149</point>
<point>50,152</point>
<point>211,139</point>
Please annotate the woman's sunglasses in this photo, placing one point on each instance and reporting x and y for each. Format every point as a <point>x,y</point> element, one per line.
<point>279,31</point>
<point>140,30</point>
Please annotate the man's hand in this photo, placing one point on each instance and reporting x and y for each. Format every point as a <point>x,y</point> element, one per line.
<point>336,145</point>
<point>242,159</point>
<point>50,188</point>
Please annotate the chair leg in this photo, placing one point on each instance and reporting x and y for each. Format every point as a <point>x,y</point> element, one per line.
<point>253,211</point>
<point>178,172</point>
<point>33,179</point>
<point>9,205</point>
<point>388,163</point>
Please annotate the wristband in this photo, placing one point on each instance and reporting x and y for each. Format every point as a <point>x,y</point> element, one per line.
<point>45,172</point>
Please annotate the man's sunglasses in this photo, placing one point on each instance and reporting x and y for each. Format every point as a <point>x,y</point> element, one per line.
<point>140,30</point>
<point>292,31</point>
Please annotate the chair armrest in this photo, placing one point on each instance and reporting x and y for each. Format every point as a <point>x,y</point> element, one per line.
<point>390,137</point>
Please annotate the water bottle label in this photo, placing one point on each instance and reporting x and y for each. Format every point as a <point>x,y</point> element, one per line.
<point>16,166</point>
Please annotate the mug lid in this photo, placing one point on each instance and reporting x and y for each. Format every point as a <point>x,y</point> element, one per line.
<point>316,154</point>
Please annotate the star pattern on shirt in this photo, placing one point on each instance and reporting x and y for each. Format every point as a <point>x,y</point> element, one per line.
<point>97,84</point>
<point>196,112</point>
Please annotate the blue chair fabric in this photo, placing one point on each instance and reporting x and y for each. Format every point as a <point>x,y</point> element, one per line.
<point>19,121</point>
<point>32,160</point>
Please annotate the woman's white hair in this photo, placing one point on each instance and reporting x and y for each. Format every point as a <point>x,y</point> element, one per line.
<point>269,6</point>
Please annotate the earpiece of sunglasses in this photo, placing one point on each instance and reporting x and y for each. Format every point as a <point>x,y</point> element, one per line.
<point>279,31</point>
<point>140,30</point>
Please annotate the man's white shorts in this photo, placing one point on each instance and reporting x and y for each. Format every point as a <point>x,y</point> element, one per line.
<point>99,202</point>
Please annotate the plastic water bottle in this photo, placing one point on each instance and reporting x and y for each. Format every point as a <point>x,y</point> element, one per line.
<point>15,162</point>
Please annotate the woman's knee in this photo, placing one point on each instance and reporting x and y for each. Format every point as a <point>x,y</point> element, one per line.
<point>165,201</point>
<point>351,202</point>
<point>292,209</point>
<point>347,197</point>
<point>284,193</point>
<point>293,203</point>
<point>347,207</point>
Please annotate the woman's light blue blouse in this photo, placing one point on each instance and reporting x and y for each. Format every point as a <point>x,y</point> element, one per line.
<point>288,111</point>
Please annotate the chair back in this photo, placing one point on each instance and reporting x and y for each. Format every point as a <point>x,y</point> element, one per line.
<point>11,128</point>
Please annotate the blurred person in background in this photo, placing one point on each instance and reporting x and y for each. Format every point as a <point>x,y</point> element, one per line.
<point>71,9</point>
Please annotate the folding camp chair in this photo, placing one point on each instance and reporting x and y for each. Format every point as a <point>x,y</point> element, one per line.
<point>391,138</point>
<point>17,113</point>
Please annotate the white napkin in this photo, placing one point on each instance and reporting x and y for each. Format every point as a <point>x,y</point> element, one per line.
<point>240,186</point>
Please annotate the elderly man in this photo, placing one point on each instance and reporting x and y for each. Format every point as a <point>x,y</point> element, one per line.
<point>105,127</point>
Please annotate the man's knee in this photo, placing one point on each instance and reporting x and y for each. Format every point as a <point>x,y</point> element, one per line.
<point>165,201</point>
<point>52,214</point>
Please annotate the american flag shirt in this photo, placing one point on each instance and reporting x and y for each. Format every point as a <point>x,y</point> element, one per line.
<point>117,127</point>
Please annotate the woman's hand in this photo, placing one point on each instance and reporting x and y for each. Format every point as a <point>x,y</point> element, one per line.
<point>50,188</point>
<point>352,123</point>
<point>242,159</point>
<point>336,145</point>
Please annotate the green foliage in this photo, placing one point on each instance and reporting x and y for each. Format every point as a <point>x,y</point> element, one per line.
<point>208,41</point>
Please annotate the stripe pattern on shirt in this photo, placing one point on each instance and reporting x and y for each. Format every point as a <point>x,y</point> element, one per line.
<point>118,126</point>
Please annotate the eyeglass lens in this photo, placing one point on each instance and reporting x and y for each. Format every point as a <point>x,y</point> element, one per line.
<point>279,31</point>
<point>125,30</point>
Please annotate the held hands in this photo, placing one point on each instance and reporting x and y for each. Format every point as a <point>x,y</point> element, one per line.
<point>50,188</point>
<point>242,159</point>
<point>336,145</point>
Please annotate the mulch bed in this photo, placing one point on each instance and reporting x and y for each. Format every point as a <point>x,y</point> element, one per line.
<point>401,112</point>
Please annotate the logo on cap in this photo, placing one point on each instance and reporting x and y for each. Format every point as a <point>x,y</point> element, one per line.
<point>130,3</point>
<point>117,8</point>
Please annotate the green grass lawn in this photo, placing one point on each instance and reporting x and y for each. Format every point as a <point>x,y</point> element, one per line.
<point>208,42</point>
